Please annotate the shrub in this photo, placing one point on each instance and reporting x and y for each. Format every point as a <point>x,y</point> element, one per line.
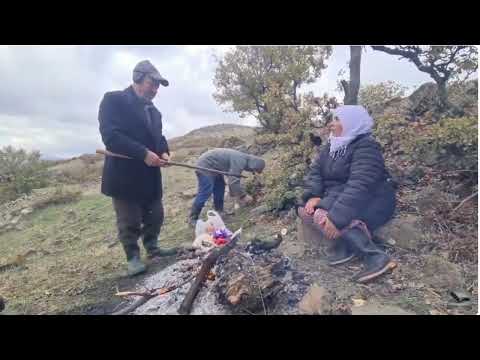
<point>452,143</point>
<point>21,172</point>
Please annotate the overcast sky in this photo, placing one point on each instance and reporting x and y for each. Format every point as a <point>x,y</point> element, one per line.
<point>49,95</point>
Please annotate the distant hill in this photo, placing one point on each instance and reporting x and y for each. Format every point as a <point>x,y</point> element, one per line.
<point>197,141</point>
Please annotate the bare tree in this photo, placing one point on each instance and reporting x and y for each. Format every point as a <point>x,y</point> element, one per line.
<point>442,63</point>
<point>352,87</point>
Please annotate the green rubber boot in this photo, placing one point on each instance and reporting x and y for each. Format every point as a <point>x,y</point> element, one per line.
<point>136,266</point>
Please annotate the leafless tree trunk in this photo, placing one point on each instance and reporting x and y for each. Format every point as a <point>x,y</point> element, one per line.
<point>352,87</point>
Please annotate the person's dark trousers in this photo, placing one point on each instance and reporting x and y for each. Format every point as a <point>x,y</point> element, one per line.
<point>208,185</point>
<point>130,218</point>
<point>218,192</point>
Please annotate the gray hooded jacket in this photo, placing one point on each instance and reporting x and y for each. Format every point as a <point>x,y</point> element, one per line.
<point>231,161</point>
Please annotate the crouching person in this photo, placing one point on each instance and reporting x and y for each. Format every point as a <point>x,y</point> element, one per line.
<point>226,160</point>
<point>348,193</point>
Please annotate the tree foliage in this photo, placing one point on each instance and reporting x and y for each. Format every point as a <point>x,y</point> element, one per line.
<point>20,172</point>
<point>264,81</point>
<point>373,97</point>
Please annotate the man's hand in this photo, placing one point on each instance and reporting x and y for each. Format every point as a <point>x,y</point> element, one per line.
<point>331,231</point>
<point>163,160</point>
<point>310,205</point>
<point>152,159</point>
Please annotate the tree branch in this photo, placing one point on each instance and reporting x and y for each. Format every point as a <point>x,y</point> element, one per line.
<point>413,56</point>
<point>464,201</point>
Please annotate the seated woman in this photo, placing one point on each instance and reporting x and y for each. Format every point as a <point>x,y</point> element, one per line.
<point>348,193</point>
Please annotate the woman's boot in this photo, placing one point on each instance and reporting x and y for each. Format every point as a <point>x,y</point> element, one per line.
<point>340,252</point>
<point>376,261</point>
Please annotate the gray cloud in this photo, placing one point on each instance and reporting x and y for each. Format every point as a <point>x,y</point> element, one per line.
<point>50,94</point>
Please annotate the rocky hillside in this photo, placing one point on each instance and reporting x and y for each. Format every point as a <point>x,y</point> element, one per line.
<point>58,252</point>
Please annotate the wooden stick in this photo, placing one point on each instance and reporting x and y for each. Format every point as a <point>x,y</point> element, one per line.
<point>173,163</point>
<point>137,303</point>
<point>208,263</point>
<point>464,201</point>
<point>146,296</point>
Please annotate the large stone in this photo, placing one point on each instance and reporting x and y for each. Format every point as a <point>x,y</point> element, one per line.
<point>442,274</point>
<point>317,301</point>
<point>424,98</point>
<point>405,232</point>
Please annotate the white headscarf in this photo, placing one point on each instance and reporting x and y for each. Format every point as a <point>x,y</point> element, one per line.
<point>355,121</point>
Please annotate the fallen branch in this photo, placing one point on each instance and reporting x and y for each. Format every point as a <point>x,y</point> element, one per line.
<point>146,296</point>
<point>464,201</point>
<point>156,291</point>
<point>139,302</point>
<point>208,263</point>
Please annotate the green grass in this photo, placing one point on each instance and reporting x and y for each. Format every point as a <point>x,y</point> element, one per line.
<point>73,266</point>
<point>71,256</point>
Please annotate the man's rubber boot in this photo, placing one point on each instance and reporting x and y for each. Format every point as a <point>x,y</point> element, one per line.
<point>340,252</point>
<point>157,252</point>
<point>135,266</point>
<point>376,262</point>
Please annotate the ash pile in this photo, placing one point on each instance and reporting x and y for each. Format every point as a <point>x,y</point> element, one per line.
<point>255,279</point>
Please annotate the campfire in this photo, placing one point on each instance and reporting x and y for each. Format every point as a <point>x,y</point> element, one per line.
<point>254,278</point>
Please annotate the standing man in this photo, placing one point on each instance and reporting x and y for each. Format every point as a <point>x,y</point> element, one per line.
<point>131,125</point>
<point>226,160</point>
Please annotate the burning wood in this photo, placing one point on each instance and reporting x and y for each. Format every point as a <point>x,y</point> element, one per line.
<point>211,259</point>
<point>254,278</point>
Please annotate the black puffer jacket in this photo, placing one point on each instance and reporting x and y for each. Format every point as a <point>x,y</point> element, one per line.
<point>125,130</point>
<point>353,186</point>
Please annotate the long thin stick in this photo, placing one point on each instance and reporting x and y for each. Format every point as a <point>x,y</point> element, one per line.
<point>464,201</point>
<point>137,303</point>
<point>146,296</point>
<point>109,153</point>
